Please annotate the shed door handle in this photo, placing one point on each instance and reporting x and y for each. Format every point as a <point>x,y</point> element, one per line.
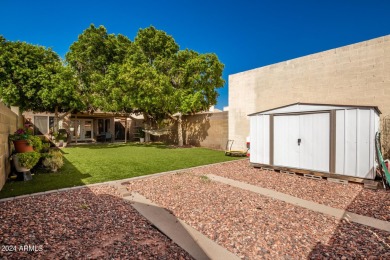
<point>299,141</point>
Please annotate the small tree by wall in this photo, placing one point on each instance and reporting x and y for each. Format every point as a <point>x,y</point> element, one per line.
<point>385,137</point>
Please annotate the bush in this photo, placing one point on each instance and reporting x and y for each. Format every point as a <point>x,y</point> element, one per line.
<point>61,136</point>
<point>53,160</point>
<point>36,142</point>
<point>141,133</point>
<point>28,160</point>
<point>45,147</point>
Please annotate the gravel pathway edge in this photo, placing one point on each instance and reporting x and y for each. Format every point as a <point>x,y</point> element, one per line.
<point>188,238</point>
<point>334,212</point>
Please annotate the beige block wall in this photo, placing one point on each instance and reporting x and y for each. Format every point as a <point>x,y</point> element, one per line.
<point>206,130</point>
<point>357,74</point>
<point>8,125</point>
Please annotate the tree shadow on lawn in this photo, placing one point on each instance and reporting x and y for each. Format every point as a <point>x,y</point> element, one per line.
<point>81,223</point>
<point>353,240</point>
<point>121,145</point>
<point>68,176</point>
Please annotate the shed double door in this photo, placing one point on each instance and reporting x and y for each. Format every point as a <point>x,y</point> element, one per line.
<point>302,141</point>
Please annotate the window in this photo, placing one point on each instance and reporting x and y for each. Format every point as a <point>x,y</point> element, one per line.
<point>103,125</point>
<point>51,122</point>
<point>107,125</point>
<point>40,125</point>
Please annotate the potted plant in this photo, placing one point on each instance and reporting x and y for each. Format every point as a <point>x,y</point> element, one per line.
<point>22,140</point>
<point>141,134</point>
<point>61,139</point>
<point>53,160</point>
<point>35,142</point>
<point>25,161</point>
<point>45,147</point>
<point>64,139</point>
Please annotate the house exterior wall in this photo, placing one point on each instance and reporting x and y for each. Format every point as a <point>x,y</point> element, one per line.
<point>8,125</point>
<point>30,117</point>
<point>356,74</point>
<point>66,122</point>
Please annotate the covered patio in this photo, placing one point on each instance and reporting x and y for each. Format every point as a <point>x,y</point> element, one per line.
<point>89,128</point>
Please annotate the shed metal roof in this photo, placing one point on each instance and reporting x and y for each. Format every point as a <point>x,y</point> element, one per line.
<point>300,107</point>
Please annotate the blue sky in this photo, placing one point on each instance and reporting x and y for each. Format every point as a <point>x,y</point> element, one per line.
<point>244,34</point>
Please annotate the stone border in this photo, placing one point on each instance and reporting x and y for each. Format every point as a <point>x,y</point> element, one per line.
<point>152,175</point>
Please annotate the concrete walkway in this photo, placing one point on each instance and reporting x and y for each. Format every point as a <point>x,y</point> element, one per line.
<point>337,213</point>
<point>195,243</point>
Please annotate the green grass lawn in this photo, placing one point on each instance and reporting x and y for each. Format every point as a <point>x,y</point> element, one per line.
<point>87,164</point>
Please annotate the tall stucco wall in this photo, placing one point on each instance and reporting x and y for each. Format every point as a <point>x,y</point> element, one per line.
<point>357,74</point>
<point>205,130</point>
<point>8,124</point>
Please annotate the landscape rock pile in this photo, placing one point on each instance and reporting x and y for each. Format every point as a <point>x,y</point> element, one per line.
<point>256,227</point>
<point>88,223</point>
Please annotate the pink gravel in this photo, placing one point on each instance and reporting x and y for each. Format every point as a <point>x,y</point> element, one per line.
<point>89,223</point>
<point>95,223</point>
<point>257,227</point>
<point>352,197</point>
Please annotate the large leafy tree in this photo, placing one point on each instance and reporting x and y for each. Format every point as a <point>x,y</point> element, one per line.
<point>96,57</point>
<point>144,73</point>
<point>194,79</point>
<point>34,78</point>
<point>164,82</point>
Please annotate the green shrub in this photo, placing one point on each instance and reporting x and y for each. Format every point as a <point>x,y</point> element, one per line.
<point>53,160</point>
<point>36,142</point>
<point>60,136</point>
<point>45,148</point>
<point>141,133</point>
<point>28,160</point>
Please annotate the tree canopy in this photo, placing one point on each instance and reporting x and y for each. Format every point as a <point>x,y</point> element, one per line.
<point>109,72</point>
<point>34,78</point>
<point>95,57</point>
<point>162,80</point>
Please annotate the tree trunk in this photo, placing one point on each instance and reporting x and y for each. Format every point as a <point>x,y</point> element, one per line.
<point>65,114</point>
<point>126,130</point>
<point>76,126</point>
<point>56,120</point>
<point>179,131</point>
<point>146,126</point>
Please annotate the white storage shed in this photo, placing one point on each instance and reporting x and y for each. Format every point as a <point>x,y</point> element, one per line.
<point>335,139</point>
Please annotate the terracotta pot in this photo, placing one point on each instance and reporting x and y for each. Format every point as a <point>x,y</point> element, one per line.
<point>22,146</point>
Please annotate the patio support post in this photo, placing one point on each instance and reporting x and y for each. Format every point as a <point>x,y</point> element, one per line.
<point>125,129</point>
<point>76,126</point>
<point>179,130</point>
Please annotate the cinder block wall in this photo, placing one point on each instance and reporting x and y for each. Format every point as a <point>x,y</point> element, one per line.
<point>8,124</point>
<point>357,74</point>
<point>205,130</point>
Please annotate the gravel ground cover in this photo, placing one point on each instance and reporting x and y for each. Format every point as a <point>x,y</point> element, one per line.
<point>89,223</point>
<point>352,197</point>
<point>257,227</point>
